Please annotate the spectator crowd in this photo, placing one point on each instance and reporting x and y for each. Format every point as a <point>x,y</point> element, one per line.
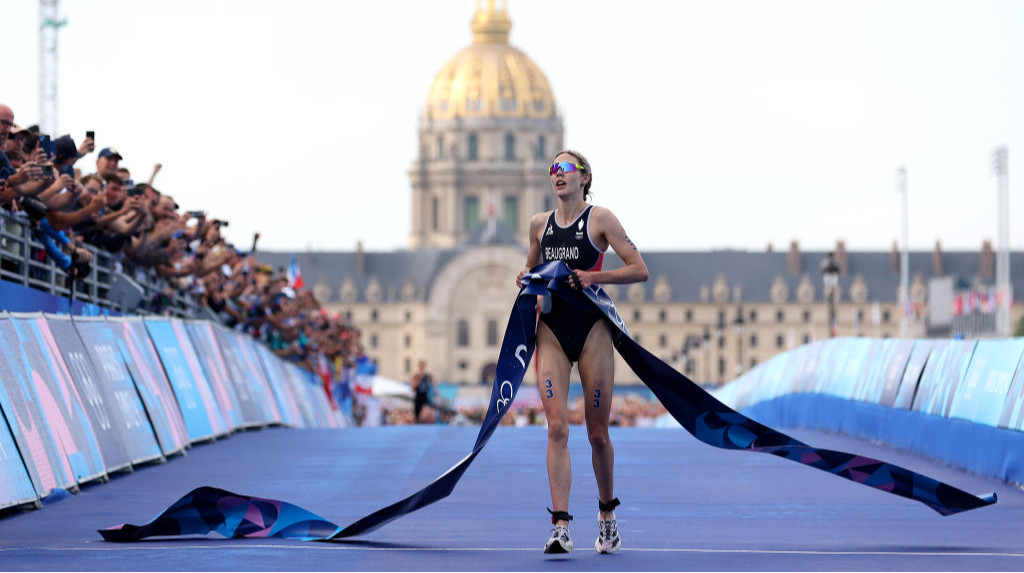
<point>75,210</point>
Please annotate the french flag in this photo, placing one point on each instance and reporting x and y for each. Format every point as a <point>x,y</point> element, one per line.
<point>295,274</point>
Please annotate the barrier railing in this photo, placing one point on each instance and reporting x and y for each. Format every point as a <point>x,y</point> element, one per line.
<point>119,286</point>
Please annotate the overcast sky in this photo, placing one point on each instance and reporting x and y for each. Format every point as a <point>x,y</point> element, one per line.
<point>709,124</point>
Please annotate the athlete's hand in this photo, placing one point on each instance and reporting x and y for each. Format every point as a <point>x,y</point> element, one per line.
<point>580,280</point>
<point>519,277</point>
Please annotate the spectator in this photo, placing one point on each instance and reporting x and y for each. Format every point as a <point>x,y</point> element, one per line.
<point>107,161</point>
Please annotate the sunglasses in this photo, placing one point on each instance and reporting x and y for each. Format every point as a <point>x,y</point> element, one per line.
<point>565,167</point>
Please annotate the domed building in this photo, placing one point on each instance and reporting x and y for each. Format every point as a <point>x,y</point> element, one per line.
<point>487,131</point>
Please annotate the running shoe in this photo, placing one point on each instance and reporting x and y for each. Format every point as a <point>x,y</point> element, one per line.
<point>608,540</point>
<point>559,542</point>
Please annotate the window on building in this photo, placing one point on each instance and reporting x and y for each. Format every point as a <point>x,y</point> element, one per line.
<point>492,332</point>
<point>636,316</point>
<point>408,316</point>
<point>753,340</point>
<point>780,341</point>
<point>435,214</point>
<point>471,213</point>
<point>462,334</point>
<point>549,203</point>
<point>408,341</point>
<point>662,341</point>
<point>408,366</point>
<point>807,338</point>
<point>780,315</point>
<point>753,362</point>
<point>721,366</point>
<point>510,147</point>
<point>753,315</point>
<point>721,317</point>
<point>689,315</point>
<point>807,316</point>
<point>373,341</point>
<point>373,315</point>
<point>511,212</point>
<point>662,316</point>
<point>473,153</point>
<point>886,316</point>
<point>440,147</point>
<point>542,151</point>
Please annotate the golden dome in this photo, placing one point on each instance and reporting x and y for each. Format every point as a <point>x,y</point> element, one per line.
<point>490,78</point>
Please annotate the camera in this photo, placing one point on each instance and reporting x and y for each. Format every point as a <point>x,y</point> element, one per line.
<point>135,191</point>
<point>90,135</point>
<point>195,214</point>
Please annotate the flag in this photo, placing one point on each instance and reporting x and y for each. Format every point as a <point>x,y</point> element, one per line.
<point>295,274</point>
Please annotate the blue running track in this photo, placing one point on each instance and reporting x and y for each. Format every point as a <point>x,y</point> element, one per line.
<point>685,507</point>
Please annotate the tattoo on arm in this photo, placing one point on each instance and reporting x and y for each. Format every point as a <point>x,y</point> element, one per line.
<point>628,240</point>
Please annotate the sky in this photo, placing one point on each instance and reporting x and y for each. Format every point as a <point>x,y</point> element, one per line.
<point>710,124</point>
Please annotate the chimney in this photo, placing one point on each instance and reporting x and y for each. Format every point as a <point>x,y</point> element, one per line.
<point>793,258</point>
<point>937,260</point>
<point>360,259</point>
<point>894,257</point>
<point>987,268</point>
<point>842,259</point>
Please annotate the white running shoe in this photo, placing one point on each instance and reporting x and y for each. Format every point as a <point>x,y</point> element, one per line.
<point>559,542</point>
<point>608,540</point>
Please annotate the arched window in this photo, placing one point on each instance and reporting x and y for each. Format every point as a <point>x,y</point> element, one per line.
<point>462,334</point>
<point>492,332</point>
<point>511,212</point>
<point>471,213</point>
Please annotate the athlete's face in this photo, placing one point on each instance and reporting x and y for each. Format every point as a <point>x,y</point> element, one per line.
<point>565,183</point>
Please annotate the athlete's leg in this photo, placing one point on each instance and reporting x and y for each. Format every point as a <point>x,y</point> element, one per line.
<point>553,384</point>
<point>596,366</point>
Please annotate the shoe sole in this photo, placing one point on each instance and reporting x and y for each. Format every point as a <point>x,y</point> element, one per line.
<point>614,548</point>
<point>558,549</point>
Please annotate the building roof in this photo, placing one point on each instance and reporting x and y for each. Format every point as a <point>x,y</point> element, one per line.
<point>685,272</point>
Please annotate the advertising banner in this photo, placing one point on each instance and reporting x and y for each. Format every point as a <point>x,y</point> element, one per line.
<point>247,372</point>
<point>1012,416</point>
<point>323,415</point>
<point>242,411</point>
<point>47,466</point>
<point>126,418</point>
<point>807,376</point>
<point>981,397</point>
<point>919,356</point>
<point>43,368</point>
<point>944,371</point>
<point>888,371</point>
<point>143,362</point>
<point>200,410</point>
<point>97,395</point>
<point>15,483</point>
<point>282,387</point>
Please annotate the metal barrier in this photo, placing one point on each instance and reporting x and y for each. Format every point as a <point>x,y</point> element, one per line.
<point>113,283</point>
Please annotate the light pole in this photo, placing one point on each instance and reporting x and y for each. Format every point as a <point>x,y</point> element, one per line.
<point>1003,287</point>
<point>901,182</point>
<point>737,325</point>
<point>830,282</point>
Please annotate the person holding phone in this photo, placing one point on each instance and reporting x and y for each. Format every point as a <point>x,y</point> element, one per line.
<point>578,234</point>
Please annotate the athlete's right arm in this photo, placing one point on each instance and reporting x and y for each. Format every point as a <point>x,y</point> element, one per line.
<point>533,254</point>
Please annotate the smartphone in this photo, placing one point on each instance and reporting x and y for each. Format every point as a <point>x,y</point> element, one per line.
<point>48,146</point>
<point>90,135</point>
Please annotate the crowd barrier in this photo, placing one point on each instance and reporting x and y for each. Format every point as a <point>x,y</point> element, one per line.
<point>85,397</point>
<point>956,401</point>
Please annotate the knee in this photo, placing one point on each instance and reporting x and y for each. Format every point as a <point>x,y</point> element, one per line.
<point>558,432</point>
<point>599,438</point>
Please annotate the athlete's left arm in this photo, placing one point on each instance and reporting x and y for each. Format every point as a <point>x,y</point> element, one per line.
<point>605,228</point>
